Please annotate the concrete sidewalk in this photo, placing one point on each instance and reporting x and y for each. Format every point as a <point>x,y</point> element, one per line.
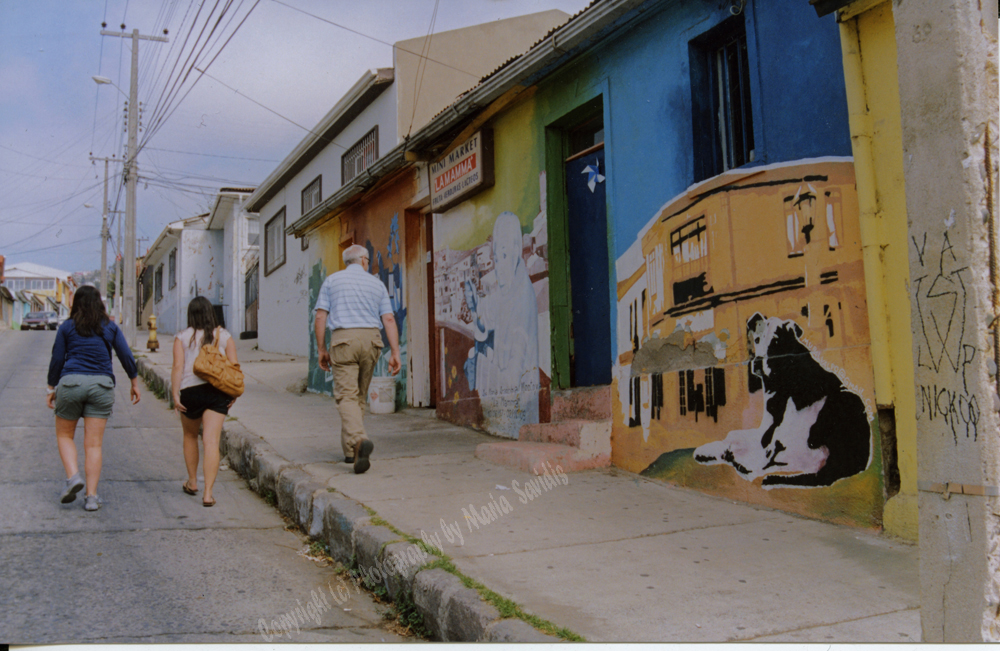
<point>606,554</point>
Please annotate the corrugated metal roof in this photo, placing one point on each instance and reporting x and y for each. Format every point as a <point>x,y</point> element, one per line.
<point>515,58</point>
<point>547,35</point>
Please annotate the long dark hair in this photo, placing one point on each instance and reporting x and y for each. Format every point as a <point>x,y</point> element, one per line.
<point>201,316</point>
<point>88,313</point>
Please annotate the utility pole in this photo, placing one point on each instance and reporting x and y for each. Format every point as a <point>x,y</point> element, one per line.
<point>140,296</point>
<point>131,174</point>
<point>116,311</point>
<point>119,272</point>
<point>104,231</point>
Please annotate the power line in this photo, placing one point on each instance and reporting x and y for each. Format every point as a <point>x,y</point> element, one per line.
<point>195,153</point>
<point>56,246</point>
<point>418,82</point>
<point>165,110</point>
<point>270,110</point>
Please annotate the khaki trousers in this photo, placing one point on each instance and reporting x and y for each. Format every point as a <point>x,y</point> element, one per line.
<point>353,354</point>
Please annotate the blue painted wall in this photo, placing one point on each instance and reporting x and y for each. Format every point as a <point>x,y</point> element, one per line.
<point>802,95</point>
<point>798,95</point>
<point>797,89</point>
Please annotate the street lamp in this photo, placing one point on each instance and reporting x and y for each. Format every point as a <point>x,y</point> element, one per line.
<point>100,81</point>
<point>127,298</point>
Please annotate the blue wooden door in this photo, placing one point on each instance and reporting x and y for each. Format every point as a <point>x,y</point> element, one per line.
<point>586,202</point>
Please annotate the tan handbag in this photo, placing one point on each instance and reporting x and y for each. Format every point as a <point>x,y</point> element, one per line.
<point>214,367</point>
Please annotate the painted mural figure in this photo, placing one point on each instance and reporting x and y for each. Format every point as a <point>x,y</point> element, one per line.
<point>814,431</point>
<point>390,272</point>
<point>503,364</point>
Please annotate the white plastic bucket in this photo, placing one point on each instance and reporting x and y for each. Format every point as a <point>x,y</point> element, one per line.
<point>382,395</point>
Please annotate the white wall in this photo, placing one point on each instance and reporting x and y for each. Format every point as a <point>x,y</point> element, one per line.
<point>284,320</point>
<point>199,270</point>
<point>166,309</point>
<point>282,310</point>
<point>232,286</point>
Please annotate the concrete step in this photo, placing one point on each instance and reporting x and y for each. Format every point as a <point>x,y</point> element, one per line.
<point>590,436</point>
<point>586,403</point>
<point>531,457</point>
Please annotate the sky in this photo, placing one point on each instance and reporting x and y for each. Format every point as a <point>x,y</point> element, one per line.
<point>273,69</point>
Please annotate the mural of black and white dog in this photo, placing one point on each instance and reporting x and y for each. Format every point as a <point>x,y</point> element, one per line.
<point>814,430</point>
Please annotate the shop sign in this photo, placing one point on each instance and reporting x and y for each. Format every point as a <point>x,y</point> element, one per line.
<point>462,172</point>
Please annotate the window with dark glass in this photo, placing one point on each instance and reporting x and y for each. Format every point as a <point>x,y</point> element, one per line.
<point>158,284</point>
<point>722,110</point>
<point>274,242</point>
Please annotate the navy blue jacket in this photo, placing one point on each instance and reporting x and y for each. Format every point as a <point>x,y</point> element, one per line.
<point>74,354</point>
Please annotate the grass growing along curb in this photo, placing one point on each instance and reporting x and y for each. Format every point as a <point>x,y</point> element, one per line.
<point>270,497</point>
<point>157,388</point>
<point>402,609</point>
<point>379,522</point>
<point>507,608</point>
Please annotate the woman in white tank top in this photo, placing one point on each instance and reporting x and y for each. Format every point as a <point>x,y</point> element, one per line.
<point>200,405</point>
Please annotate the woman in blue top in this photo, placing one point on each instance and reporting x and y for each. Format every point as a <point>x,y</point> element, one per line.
<point>82,384</point>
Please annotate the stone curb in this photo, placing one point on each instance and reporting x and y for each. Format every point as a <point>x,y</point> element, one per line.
<point>451,611</point>
<point>156,383</point>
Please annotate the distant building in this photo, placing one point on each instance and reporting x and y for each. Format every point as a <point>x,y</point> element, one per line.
<point>186,262</point>
<point>52,288</point>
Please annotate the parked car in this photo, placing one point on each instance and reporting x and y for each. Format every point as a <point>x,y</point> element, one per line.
<point>40,321</point>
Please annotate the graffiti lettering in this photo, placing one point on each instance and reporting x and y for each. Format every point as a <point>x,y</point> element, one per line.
<point>955,409</point>
<point>941,303</point>
<point>941,299</point>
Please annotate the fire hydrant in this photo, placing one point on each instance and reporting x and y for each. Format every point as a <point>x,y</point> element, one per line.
<point>152,344</point>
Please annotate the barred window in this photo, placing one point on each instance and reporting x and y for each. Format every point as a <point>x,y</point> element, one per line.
<point>312,195</point>
<point>172,269</point>
<point>359,157</point>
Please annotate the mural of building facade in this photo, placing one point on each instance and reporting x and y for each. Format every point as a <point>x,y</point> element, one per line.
<point>747,364</point>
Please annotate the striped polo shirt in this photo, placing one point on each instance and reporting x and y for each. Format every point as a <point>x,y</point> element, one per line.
<point>353,298</point>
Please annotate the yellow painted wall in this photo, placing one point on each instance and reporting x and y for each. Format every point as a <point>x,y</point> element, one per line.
<point>869,46</point>
<point>783,243</point>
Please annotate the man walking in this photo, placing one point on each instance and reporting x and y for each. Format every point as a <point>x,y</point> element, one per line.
<point>351,303</point>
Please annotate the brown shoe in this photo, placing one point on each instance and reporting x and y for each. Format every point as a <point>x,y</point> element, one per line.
<point>361,462</point>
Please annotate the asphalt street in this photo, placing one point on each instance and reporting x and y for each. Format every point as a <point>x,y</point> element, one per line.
<point>152,565</point>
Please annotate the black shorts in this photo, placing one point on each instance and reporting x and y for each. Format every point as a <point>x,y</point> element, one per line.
<point>200,397</point>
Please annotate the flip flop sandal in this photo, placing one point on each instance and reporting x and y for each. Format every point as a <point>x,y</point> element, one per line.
<point>208,504</point>
<point>187,489</point>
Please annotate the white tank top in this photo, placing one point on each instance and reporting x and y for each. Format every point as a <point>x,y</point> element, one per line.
<point>191,348</point>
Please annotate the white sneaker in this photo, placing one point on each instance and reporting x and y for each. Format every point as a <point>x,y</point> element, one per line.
<point>91,503</point>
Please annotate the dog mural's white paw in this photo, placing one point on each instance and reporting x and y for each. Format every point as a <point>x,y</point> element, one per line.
<point>789,452</point>
<point>741,449</point>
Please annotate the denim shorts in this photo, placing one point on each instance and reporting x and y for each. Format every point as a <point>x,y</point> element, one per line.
<point>89,396</point>
<point>202,397</point>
